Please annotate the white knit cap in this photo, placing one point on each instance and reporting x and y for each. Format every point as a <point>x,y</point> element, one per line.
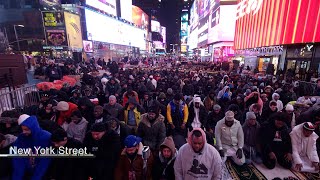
<point>62,106</point>
<point>22,118</point>
<point>104,80</point>
<point>289,107</point>
<point>197,99</point>
<point>151,76</point>
<point>229,116</point>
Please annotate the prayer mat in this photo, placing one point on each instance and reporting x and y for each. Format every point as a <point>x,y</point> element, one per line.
<point>306,176</point>
<point>247,171</point>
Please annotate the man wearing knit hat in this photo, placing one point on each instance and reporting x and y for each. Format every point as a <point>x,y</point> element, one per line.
<point>32,136</point>
<point>230,138</point>
<point>304,152</point>
<point>106,146</point>
<point>65,109</point>
<point>276,146</point>
<point>251,131</point>
<point>163,165</point>
<point>291,123</point>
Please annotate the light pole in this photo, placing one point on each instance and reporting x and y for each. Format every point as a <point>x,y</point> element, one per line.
<point>15,32</point>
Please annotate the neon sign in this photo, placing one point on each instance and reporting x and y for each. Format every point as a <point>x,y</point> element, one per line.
<point>248,6</point>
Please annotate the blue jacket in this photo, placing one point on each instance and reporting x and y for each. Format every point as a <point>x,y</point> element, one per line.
<point>37,138</point>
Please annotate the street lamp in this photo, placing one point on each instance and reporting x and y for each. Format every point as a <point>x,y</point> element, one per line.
<point>15,32</point>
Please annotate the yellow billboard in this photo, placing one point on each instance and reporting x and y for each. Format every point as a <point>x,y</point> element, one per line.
<point>74,33</point>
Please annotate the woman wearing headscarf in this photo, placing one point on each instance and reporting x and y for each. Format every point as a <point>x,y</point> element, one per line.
<point>276,97</point>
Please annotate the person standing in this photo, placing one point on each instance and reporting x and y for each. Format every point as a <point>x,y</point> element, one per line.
<point>32,136</point>
<point>230,138</point>
<point>304,151</point>
<point>197,159</point>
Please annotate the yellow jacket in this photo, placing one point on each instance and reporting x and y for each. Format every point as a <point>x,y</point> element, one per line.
<point>137,115</point>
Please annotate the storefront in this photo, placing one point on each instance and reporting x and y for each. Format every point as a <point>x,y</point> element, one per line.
<point>291,29</point>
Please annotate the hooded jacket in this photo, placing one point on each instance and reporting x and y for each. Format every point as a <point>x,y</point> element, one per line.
<point>126,97</point>
<point>279,102</point>
<point>206,165</point>
<point>78,131</point>
<point>251,134</point>
<point>297,139</point>
<point>67,114</point>
<point>222,93</point>
<point>152,134</point>
<point>138,111</point>
<point>112,89</point>
<point>38,138</point>
<point>202,115</point>
<point>163,169</point>
<point>125,165</point>
<point>5,163</point>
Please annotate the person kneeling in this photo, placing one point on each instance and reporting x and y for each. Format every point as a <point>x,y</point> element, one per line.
<point>304,152</point>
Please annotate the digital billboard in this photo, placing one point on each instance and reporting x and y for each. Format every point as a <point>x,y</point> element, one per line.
<point>120,33</point>
<point>274,22</point>
<point>164,34</point>
<point>73,28</point>
<point>155,26</point>
<point>203,8</point>
<point>222,24</point>
<point>140,18</point>
<point>184,16</point>
<point>203,31</point>
<point>53,18</point>
<point>193,39</point>
<point>88,46</point>
<point>56,37</point>
<point>108,6</point>
<point>194,18</point>
<point>50,3</point>
<point>126,9</point>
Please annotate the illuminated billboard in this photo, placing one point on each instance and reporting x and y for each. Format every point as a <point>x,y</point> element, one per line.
<point>126,9</point>
<point>164,34</point>
<point>203,8</point>
<point>203,31</point>
<point>140,18</point>
<point>184,16</point>
<point>73,28</point>
<point>222,24</point>
<point>274,22</point>
<point>194,18</point>
<point>120,33</point>
<point>108,6</point>
<point>184,31</point>
<point>88,46</point>
<point>155,26</point>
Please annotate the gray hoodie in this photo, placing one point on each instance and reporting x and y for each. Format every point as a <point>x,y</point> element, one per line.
<point>78,131</point>
<point>251,134</point>
<point>206,165</point>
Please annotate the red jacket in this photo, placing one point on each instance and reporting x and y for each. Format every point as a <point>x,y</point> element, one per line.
<point>67,114</point>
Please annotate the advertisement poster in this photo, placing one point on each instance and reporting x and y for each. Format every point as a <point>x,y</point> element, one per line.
<point>108,6</point>
<point>126,9</point>
<point>56,37</point>
<point>53,19</point>
<point>203,8</point>
<point>73,30</point>
<point>194,18</point>
<point>184,16</point>
<point>88,46</point>
<point>203,31</point>
<point>155,26</point>
<point>140,18</point>
<point>50,3</point>
<point>164,34</point>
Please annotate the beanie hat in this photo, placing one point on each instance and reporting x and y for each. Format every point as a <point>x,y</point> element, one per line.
<point>169,91</point>
<point>216,107</point>
<point>22,118</point>
<point>58,135</point>
<point>289,107</point>
<point>197,99</point>
<point>308,126</point>
<point>169,143</point>
<point>104,80</point>
<point>162,95</point>
<point>62,106</point>
<point>177,97</point>
<point>229,116</point>
<point>132,141</point>
<point>98,127</point>
<point>153,109</point>
<point>250,115</point>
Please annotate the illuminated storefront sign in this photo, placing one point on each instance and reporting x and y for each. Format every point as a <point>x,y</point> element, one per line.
<point>279,23</point>
<point>272,50</point>
<point>248,6</point>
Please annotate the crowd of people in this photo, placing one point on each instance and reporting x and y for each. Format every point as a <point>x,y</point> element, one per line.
<point>171,122</point>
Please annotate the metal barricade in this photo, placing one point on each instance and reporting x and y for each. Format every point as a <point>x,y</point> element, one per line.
<point>19,98</point>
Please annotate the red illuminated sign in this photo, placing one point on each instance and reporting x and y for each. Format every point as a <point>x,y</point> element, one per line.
<point>277,23</point>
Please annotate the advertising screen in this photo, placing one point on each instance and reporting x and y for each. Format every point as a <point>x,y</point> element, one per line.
<point>126,9</point>
<point>273,22</point>
<point>56,37</point>
<point>203,8</point>
<point>155,26</point>
<point>203,31</point>
<point>120,33</point>
<point>193,39</point>
<point>164,33</point>
<point>222,24</point>
<point>194,18</point>
<point>73,28</point>
<point>140,18</point>
<point>50,3</point>
<point>184,16</point>
<point>88,46</point>
<point>108,6</point>
<point>53,19</point>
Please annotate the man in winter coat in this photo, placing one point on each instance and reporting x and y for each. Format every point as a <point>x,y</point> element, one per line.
<point>66,168</point>
<point>163,165</point>
<point>152,129</point>
<point>213,118</point>
<point>304,151</point>
<point>113,108</point>
<point>177,116</point>
<point>251,131</point>
<point>197,159</point>
<point>53,72</point>
<point>112,88</point>
<point>120,128</point>
<point>65,109</point>
<point>230,138</point>
<point>132,113</point>
<point>78,126</point>
<point>197,114</point>
<point>276,146</point>
<point>99,115</point>
<point>105,145</point>
<point>5,163</point>
<point>32,136</point>
<point>131,163</point>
